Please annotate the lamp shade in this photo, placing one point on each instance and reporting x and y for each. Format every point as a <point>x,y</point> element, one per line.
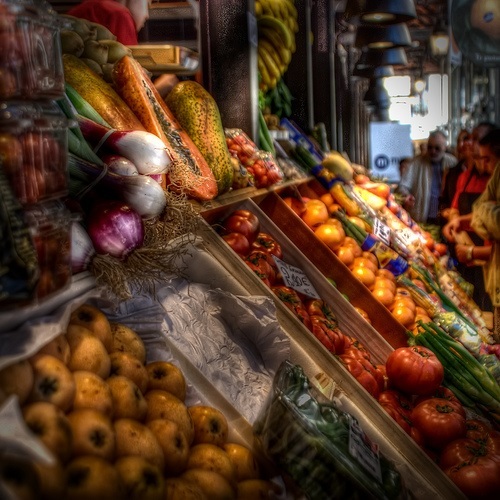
<point>389,57</point>
<point>372,72</point>
<point>377,93</point>
<point>378,37</point>
<point>380,11</point>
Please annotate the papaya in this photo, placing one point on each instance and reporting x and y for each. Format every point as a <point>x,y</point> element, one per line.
<point>99,94</point>
<point>189,171</point>
<point>198,114</point>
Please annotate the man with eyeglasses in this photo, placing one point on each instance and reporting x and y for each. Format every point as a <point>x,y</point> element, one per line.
<point>423,180</point>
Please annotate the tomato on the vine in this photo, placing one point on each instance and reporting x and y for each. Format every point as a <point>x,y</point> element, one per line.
<point>439,422</point>
<point>238,242</point>
<point>267,243</point>
<point>414,370</point>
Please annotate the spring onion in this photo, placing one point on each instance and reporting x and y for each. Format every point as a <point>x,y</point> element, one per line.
<point>144,149</point>
<point>120,165</point>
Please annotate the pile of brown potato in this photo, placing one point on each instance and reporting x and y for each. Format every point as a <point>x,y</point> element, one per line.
<point>118,425</point>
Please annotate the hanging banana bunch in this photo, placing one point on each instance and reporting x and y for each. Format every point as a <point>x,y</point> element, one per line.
<point>277,24</point>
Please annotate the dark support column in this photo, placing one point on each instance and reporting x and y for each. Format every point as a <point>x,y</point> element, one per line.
<point>229,61</point>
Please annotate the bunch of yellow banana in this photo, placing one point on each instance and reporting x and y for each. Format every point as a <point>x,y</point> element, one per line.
<point>277,23</point>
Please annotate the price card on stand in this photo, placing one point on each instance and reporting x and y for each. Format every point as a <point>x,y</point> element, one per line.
<point>295,278</point>
<point>382,232</point>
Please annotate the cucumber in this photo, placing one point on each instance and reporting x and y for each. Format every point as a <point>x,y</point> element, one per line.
<point>198,114</point>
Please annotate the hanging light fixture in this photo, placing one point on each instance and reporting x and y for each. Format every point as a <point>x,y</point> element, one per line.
<point>380,11</point>
<point>439,41</point>
<point>377,93</point>
<point>373,72</point>
<point>389,57</point>
<point>377,37</point>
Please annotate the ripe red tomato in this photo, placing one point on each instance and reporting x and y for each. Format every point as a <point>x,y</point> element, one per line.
<point>238,242</point>
<point>328,334</point>
<point>444,393</point>
<point>477,478</point>
<point>439,422</point>
<point>414,370</point>
<point>244,222</point>
<point>365,373</point>
<point>478,429</point>
<point>267,243</point>
<point>264,264</point>
<point>292,301</point>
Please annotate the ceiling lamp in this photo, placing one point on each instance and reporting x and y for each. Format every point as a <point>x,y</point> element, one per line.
<point>389,57</point>
<point>380,11</point>
<point>378,37</point>
<point>373,72</point>
<point>377,93</point>
<point>439,41</point>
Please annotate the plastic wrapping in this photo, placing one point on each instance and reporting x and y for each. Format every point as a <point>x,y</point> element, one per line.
<point>261,165</point>
<point>322,447</point>
<point>33,146</point>
<point>30,59</point>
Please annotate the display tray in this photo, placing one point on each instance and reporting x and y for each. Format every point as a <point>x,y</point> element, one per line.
<point>166,58</point>
<point>422,475</point>
<point>328,263</point>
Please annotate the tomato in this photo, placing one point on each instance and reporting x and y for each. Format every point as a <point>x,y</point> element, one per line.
<point>356,349</point>
<point>328,334</point>
<point>238,243</point>
<point>414,370</point>
<point>398,400</point>
<point>443,393</point>
<point>264,263</point>
<point>244,222</point>
<point>318,307</point>
<point>477,478</point>
<point>267,243</point>
<point>477,429</point>
<point>439,422</point>
<point>258,272</point>
<point>364,372</point>
<point>292,301</point>
<point>401,420</point>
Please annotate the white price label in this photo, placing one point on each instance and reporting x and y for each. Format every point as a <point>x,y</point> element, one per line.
<point>365,451</point>
<point>295,278</point>
<point>382,232</point>
<point>407,236</point>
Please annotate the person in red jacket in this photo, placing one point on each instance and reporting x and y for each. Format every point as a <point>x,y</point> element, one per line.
<point>124,18</point>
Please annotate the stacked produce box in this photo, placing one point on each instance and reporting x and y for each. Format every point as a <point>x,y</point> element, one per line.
<point>33,155</point>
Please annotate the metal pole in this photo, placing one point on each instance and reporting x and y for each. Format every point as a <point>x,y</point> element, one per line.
<point>309,66</point>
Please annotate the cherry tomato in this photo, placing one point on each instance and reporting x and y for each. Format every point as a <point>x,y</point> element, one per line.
<point>439,422</point>
<point>238,242</point>
<point>414,370</point>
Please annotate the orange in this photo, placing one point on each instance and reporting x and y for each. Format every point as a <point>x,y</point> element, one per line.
<point>315,213</point>
<point>334,222</point>
<point>404,302</point>
<point>420,310</point>
<point>345,255</point>
<point>364,314</point>
<point>386,284</point>
<point>295,204</point>
<point>441,248</point>
<point>385,273</point>
<point>356,249</point>
<point>361,179</point>
<point>364,262</point>
<point>402,292</point>
<point>332,236</point>
<point>372,257</point>
<point>384,296</point>
<point>404,315</point>
<point>327,199</point>
<point>365,275</point>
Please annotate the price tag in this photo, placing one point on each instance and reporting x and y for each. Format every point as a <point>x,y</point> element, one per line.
<point>365,451</point>
<point>295,278</point>
<point>407,236</point>
<point>382,232</point>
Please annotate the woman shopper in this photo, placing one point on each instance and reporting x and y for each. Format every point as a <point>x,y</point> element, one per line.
<point>486,222</point>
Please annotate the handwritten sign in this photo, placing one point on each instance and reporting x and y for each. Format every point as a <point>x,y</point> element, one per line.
<point>407,236</point>
<point>295,278</point>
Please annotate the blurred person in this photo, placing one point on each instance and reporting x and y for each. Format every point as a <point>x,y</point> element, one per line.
<point>487,155</point>
<point>124,18</point>
<point>486,222</point>
<point>403,165</point>
<point>463,153</point>
<point>422,182</point>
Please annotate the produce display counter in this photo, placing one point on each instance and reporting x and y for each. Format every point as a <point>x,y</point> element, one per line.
<point>421,474</point>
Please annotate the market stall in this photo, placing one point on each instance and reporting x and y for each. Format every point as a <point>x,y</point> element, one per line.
<point>195,277</point>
